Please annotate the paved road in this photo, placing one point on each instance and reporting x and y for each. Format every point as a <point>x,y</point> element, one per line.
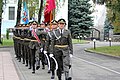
<point>89,66</point>
<point>86,66</point>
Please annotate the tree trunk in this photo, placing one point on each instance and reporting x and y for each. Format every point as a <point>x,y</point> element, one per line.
<point>40,11</point>
<point>1,11</point>
<point>19,12</point>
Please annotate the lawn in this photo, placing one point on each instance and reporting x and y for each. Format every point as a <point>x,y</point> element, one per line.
<point>7,42</point>
<point>77,41</point>
<point>113,50</point>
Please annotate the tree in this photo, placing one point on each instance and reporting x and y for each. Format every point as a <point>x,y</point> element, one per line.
<point>99,1</point>
<point>113,14</point>
<point>33,6</point>
<point>113,10</point>
<point>79,17</point>
<point>107,27</point>
<point>1,11</point>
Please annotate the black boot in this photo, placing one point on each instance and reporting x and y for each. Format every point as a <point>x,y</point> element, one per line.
<point>53,76</point>
<point>43,66</point>
<point>70,78</point>
<point>29,68</point>
<point>37,67</point>
<point>33,72</point>
<point>49,71</point>
<point>59,78</point>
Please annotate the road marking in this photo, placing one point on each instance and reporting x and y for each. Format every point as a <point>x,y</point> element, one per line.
<point>111,70</point>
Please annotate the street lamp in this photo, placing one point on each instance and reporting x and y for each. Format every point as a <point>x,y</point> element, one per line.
<point>80,38</point>
<point>94,40</point>
<point>110,42</point>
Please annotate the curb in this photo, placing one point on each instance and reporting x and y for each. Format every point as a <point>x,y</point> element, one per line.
<point>6,46</point>
<point>100,53</point>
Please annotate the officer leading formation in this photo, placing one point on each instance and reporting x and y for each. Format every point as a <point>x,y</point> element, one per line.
<point>48,44</point>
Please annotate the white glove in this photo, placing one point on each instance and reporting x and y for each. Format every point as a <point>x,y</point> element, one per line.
<point>41,49</point>
<point>51,55</point>
<point>45,52</point>
<point>71,55</point>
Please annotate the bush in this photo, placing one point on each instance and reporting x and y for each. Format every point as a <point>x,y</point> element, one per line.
<point>7,34</point>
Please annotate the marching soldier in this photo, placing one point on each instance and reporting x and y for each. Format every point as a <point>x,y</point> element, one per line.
<point>39,53</point>
<point>62,49</point>
<point>54,25</point>
<point>26,47</point>
<point>33,43</point>
<point>18,36</point>
<point>22,43</point>
<point>15,42</point>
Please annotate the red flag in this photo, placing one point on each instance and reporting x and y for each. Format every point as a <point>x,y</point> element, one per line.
<point>50,5</point>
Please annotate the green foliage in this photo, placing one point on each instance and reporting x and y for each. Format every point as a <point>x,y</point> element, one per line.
<point>33,6</point>
<point>113,13</point>
<point>79,17</point>
<point>7,43</point>
<point>1,5</point>
<point>113,50</point>
<point>99,1</point>
<point>7,34</point>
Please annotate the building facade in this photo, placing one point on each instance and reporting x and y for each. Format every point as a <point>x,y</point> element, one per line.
<point>9,15</point>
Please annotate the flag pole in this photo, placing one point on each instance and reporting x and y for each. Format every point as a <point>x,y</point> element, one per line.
<point>51,17</point>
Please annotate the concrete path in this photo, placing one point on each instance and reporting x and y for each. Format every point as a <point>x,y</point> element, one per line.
<point>7,68</point>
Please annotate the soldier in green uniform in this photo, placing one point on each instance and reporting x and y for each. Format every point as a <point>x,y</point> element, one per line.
<point>18,36</point>
<point>39,53</point>
<point>62,49</point>
<point>15,42</point>
<point>33,43</point>
<point>25,44</point>
<point>22,42</point>
<point>54,26</point>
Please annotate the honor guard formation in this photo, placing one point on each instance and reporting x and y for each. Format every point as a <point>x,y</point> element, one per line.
<point>47,44</point>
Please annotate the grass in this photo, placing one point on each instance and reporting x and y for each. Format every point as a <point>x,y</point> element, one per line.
<point>77,41</point>
<point>7,43</point>
<point>113,50</point>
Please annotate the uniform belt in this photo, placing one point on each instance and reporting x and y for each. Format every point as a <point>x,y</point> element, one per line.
<point>34,40</point>
<point>16,37</point>
<point>61,46</point>
<point>27,39</point>
<point>21,39</point>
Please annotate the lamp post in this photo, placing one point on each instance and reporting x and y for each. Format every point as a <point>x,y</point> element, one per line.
<point>110,42</point>
<point>94,40</point>
<point>80,38</point>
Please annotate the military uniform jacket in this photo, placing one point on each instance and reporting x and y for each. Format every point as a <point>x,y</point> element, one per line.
<point>49,40</point>
<point>62,41</point>
<point>34,43</point>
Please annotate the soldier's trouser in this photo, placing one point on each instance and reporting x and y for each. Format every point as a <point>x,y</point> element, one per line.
<point>60,65</point>
<point>19,51</point>
<point>15,47</point>
<point>33,58</point>
<point>29,56</point>
<point>37,57</point>
<point>23,53</point>
<point>26,54</point>
<point>66,64</point>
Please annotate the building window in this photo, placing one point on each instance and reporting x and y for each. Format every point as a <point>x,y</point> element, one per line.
<point>11,13</point>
